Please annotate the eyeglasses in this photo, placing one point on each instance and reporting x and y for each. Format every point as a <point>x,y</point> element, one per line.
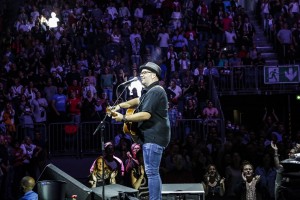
<point>145,72</point>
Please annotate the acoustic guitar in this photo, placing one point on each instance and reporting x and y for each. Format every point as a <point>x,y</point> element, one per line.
<point>128,127</point>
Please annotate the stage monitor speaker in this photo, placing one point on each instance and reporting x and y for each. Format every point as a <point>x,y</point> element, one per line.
<point>187,191</point>
<point>72,187</point>
<point>115,192</point>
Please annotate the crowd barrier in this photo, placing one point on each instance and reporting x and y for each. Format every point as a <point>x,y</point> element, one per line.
<point>79,139</point>
<point>250,79</point>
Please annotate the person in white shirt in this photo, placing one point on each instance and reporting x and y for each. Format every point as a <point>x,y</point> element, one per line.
<point>53,21</point>
<point>112,11</point>
<point>231,37</point>
<point>163,39</point>
<point>294,8</point>
<point>30,151</point>
<point>39,107</point>
<point>176,90</point>
<point>176,17</point>
<point>87,86</point>
<point>184,63</point>
<point>139,12</point>
<point>123,11</point>
<point>135,36</point>
<point>16,89</point>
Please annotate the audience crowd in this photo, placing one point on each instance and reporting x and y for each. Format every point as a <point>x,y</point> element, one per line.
<point>64,61</point>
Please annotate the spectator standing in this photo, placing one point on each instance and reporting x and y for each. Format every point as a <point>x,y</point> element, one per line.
<point>123,11</point>
<point>59,106</point>
<point>294,8</point>
<point>30,151</point>
<point>296,38</point>
<point>279,167</point>
<point>88,87</point>
<point>149,36</point>
<point>203,26</point>
<point>88,112</point>
<point>107,83</point>
<point>74,106</point>
<point>284,37</point>
<point>177,91</point>
<point>172,60</point>
<point>91,76</point>
<point>82,63</point>
<point>135,36</point>
<point>214,185</point>
<point>250,187</point>
<point>73,75</point>
<point>190,109</point>
<point>8,118</point>
<point>163,41</point>
<point>267,172</point>
<point>191,36</point>
<point>139,12</point>
<point>30,91</point>
<point>210,113</point>
<point>248,32</point>
<point>176,17</point>
<point>112,11</point>
<point>16,90</point>
<point>230,37</point>
<point>75,87</point>
<point>26,120</point>
<point>50,90</point>
<point>136,48</point>
<point>233,175</point>
<point>184,64</point>
<point>210,71</point>
<point>217,30</point>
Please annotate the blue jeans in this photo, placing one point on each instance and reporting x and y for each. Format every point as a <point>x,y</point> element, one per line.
<point>152,157</point>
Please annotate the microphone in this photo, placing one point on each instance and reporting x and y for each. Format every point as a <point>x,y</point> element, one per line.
<point>129,81</point>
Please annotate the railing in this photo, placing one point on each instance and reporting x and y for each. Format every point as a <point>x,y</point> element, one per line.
<point>248,79</point>
<point>78,139</point>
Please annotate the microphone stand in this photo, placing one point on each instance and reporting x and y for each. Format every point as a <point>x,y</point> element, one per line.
<point>101,126</point>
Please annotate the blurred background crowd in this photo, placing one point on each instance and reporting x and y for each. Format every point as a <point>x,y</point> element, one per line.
<point>63,61</point>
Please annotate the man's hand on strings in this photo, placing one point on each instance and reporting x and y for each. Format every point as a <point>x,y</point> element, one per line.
<point>117,116</point>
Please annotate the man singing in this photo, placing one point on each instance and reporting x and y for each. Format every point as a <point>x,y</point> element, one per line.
<point>153,124</point>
